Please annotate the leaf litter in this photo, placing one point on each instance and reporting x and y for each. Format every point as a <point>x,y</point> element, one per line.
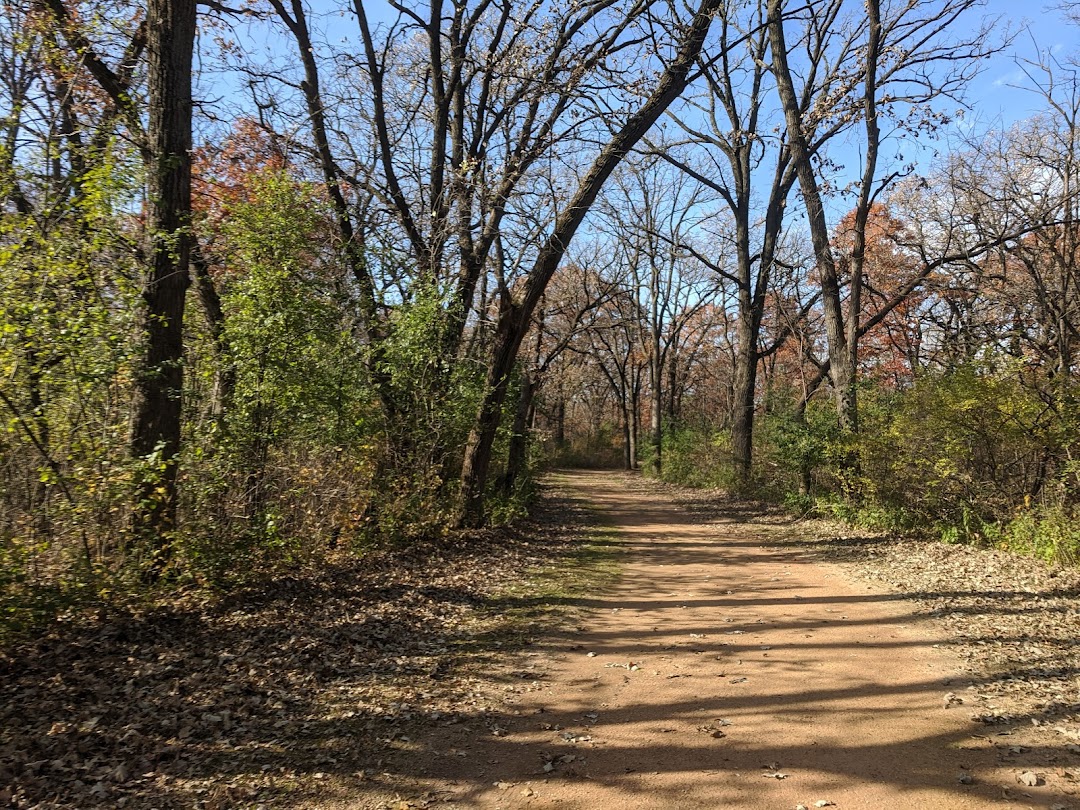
<point>269,697</point>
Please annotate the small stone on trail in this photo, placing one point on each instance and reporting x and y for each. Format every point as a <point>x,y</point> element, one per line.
<point>965,778</point>
<point>824,803</point>
<point>1029,778</point>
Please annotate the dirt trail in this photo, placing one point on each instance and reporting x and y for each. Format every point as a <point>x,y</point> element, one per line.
<point>722,674</point>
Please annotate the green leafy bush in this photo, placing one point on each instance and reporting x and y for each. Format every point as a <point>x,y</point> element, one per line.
<point>697,457</point>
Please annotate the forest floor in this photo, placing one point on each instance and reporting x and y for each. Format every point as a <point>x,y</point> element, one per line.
<point>736,659</point>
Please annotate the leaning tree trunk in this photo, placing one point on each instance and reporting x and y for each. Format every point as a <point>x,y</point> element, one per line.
<point>514,319</point>
<point>155,434</point>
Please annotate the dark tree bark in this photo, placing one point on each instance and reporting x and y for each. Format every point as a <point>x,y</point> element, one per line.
<point>159,377</point>
<point>799,140</point>
<point>210,299</point>
<point>519,434</point>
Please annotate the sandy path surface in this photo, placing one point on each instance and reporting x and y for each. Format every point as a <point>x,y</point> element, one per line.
<point>722,674</point>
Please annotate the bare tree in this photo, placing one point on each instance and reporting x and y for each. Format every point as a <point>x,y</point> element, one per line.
<point>616,347</point>
<point>569,310</point>
<point>472,109</point>
<point>650,215</point>
<point>896,62</point>
<point>685,42</point>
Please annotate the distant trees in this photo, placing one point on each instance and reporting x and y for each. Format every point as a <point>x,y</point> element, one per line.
<point>649,216</point>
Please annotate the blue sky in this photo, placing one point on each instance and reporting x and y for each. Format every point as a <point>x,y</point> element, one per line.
<point>998,94</point>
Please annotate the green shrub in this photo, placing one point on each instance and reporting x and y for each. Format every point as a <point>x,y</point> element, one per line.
<point>1051,533</point>
<point>697,457</point>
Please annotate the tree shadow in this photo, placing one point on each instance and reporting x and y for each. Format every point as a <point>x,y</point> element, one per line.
<point>366,683</point>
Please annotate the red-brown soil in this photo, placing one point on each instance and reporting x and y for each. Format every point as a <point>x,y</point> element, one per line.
<point>721,672</point>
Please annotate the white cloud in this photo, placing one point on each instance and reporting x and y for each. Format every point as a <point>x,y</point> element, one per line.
<point>1013,77</point>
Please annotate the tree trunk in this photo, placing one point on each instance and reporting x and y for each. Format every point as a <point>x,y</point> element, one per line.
<point>519,437</point>
<point>841,356</point>
<point>742,412</point>
<point>656,415</point>
<point>672,399</point>
<point>159,378</point>
<point>224,369</point>
<point>509,331</point>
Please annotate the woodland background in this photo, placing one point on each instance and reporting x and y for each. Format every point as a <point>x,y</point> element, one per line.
<point>286,280</point>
